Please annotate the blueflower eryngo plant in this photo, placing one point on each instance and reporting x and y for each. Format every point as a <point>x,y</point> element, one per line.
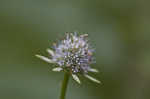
<point>74,55</point>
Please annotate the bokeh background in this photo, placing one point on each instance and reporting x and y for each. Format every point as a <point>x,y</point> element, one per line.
<point>118,29</point>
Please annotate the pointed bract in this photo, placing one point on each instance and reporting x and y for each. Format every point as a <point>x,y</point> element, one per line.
<point>84,35</point>
<point>93,70</point>
<point>57,69</point>
<point>75,77</point>
<point>91,78</point>
<point>45,58</point>
<point>50,52</point>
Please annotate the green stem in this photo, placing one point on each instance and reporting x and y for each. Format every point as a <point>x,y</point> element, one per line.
<point>64,86</point>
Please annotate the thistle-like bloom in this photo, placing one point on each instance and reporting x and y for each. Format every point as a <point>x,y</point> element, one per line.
<point>73,54</point>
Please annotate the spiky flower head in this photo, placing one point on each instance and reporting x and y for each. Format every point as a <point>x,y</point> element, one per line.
<point>74,55</point>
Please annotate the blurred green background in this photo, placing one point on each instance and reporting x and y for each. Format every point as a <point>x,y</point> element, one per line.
<point>118,29</point>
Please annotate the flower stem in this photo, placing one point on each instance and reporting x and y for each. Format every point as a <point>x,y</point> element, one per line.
<point>64,86</point>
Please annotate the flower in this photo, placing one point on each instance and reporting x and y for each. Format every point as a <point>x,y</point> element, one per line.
<point>73,54</point>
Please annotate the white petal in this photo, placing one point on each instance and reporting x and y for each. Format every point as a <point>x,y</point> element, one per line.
<point>57,69</point>
<point>91,78</point>
<point>93,70</point>
<point>50,52</point>
<point>75,77</point>
<point>45,58</point>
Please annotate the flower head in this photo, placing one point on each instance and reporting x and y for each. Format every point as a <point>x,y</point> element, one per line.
<point>73,54</point>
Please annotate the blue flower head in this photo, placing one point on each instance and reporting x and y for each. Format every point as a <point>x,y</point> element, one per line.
<point>74,55</point>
